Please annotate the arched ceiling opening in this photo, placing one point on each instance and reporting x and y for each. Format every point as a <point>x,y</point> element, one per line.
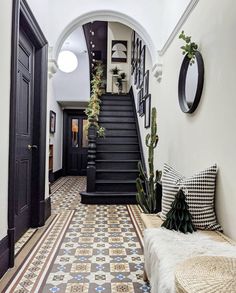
<point>105,15</point>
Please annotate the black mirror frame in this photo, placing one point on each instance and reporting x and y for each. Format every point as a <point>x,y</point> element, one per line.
<point>182,82</point>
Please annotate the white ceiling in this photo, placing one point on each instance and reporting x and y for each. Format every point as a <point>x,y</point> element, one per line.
<point>76,42</point>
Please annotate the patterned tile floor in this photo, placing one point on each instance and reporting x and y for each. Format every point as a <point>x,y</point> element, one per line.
<point>86,249</point>
<point>24,239</point>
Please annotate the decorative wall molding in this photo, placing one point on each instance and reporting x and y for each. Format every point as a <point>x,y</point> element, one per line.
<point>52,67</point>
<point>157,71</point>
<point>192,4</point>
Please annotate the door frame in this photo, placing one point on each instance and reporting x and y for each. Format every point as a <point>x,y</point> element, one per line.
<point>66,114</point>
<point>22,16</point>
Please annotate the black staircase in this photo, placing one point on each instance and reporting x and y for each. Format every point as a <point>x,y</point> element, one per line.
<point>112,161</point>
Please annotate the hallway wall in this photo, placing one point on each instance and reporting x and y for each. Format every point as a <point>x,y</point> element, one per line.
<point>56,138</point>
<point>192,142</point>
<point>5,61</point>
<point>119,32</point>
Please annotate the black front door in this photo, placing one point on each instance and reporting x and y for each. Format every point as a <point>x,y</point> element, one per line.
<point>24,134</point>
<point>75,143</point>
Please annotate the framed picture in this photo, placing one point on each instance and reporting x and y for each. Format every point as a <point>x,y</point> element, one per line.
<point>140,101</point>
<point>133,52</point>
<point>147,111</point>
<point>142,66</point>
<point>146,84</point>
<point>137,48</point>
<point>52,122</point>
<point>135,75</point>
<point>119,51</point>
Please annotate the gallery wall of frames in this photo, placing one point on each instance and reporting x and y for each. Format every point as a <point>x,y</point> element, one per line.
<point>141,78</point>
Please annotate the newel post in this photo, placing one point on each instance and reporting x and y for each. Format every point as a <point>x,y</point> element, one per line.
<point>92,146</point>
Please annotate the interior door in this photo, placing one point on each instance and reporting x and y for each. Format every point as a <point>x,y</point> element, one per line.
<point>76,144</point>
<point>24,134</point>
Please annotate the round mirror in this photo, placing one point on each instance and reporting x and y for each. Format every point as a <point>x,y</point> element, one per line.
<point>191,79</point>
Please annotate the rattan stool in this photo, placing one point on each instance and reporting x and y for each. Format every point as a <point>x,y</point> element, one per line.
<point>206,274</point>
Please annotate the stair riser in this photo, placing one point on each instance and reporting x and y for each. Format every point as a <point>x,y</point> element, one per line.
<point>118,156</point>
<point>115,119</point>
<point>116,108</point>
<point>116,113</point>
<point>117,147</point>
<point>112,126</point>
<point>121,132</point>
<point>118,199</point>
<point>114,140</point>
<point>116,102</point>
<point>116,98</point>
<point>116,176</point>
<point>117,165</point>
<point>119,187</point>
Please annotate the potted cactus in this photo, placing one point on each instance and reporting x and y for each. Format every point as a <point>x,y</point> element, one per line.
<point>148,184</point>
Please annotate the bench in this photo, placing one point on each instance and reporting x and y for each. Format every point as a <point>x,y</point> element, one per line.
<point>185,276</point>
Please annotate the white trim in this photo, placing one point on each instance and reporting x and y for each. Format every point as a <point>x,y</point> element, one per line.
<point>192,4</point>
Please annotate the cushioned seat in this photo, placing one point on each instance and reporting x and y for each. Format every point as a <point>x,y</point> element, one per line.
<point>165,249</point>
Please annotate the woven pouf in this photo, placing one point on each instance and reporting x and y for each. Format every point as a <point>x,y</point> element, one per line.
<point>206,274</point>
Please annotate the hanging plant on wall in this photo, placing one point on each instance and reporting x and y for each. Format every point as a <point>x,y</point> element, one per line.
<point>190,48</point>
<point>93,109</point>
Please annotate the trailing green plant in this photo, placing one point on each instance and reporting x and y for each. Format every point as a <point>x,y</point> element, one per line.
<point>115,70</point>
<point>189,48</point>
<point>146,184</point>
<point>93,109</point>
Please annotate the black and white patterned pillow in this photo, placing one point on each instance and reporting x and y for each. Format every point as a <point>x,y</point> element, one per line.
<point>200,195</point>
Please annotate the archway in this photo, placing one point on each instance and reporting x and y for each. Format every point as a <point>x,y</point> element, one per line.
<point>106,15</point>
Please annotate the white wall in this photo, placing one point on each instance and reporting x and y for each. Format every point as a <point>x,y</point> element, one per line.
<point>74,86</point>
<point>56,138</point>
<point>118,31</point>
<point>192,142</point>
<point>5,53</point>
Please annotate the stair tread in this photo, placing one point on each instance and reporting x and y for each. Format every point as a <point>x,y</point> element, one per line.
<point>105,193</point>
<point>117,105</point>
<point>118,151</point>
<point>120,135</point>
<point>113,161</point>
<point>118,170</point>
<point>115,110</point>
<point>115,122</point>
<point>100,181</point>
<point>117,143</point>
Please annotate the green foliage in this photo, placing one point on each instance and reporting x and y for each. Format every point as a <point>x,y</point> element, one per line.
<point>115,70</point>
<point>179,218</point>
<point>122,75</point>
<point>189,48</point>
<point>93,109</point>
<point>146,197</point>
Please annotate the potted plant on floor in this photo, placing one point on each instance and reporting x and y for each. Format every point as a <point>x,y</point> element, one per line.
<point>148,184</point>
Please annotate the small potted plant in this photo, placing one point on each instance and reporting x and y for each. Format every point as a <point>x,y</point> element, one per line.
<point>115,70</point>
<point>190,48</point>
<point>122,75</point>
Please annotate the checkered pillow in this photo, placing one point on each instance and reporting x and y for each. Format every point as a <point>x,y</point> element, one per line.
<point>199,190</point>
